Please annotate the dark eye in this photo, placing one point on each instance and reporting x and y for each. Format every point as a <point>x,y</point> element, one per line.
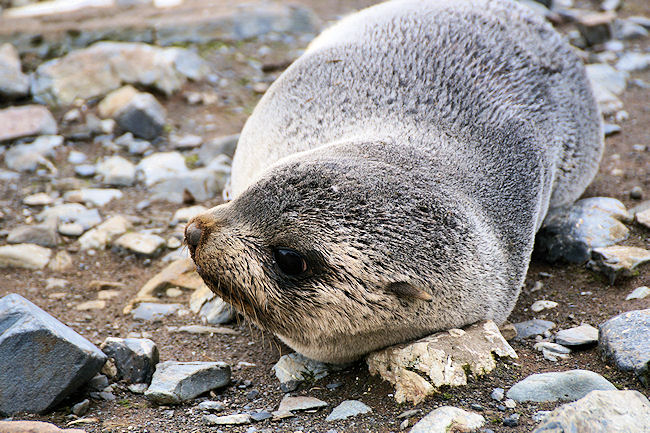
<point>290,262</point>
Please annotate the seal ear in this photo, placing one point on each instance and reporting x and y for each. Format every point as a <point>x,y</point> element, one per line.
<point>407,290</point>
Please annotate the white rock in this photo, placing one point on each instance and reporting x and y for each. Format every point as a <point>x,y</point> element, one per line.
<point>28,157</point>
<point>140,243</point>
<point>639,293</point>
<point>93,196</point>
<point>13,83</point>
<point>543,305</point>
<point>38,199</point>
<point>117,171</point>
<point>27,256</point>
<point>160,166</point>
<point>26,121</point>
<point>185,214</point>
<point>448,418</point>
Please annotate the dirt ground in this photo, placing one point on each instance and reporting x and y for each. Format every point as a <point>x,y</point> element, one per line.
<point>583,296</point>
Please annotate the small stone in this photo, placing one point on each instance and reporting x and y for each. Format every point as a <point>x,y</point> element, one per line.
<point>295,366</point>
<point>540,415</point>
<point>638,293</point>
<point>636,193</point>
<point>219,146</point>
<point>13,83</point>
<point>211,406</point>
<point>630,62</point>
<point>201,329</point>
<point>55,283</point>
<point>150,311</point>
<point>85,170</point>
<point>261,416</point>
<point>30,156</point>
<point>610,129</point>
<point>543,305</point>
<point>136,112</point>
<point>552,351</point>
<point>511,420</point>
<point>39,234</point>
<point>235,419</point>
<point>643,218</point>
<point>91,305</point>
<point>567,385</point>
<point>93,196</point>
<point>623,340</point>
<point>98,237</point>
<point>618,260</point>
<point>135,358</point>
<point>103,395</point>
<point>71,212</point>
<point>183,215</point>
<point>60,262</point>
<point>71,229</point>
<point>497,394</point>
<point>293,404</point>
<point>140,243</point>
<point>447,418</point>
<point>29,256</point>
<point>200,184</point>
<point>117,171</point>
<point>173,292</point>
<point>510,403</point>
<point>508,331</point>
<point>600,412</point>
<point>98,382</point>
<point>596,28</point>
<point>173,243</point>
<point>188,141</point>
<point>26,121</point>
<point>38,199</point>
<point>347,409</point>
<point>578,336</point>
<point>161,166</point>
<point>138,388</point>
<point>217,312</point>
<point>81,408</point>
<point>175,382</point>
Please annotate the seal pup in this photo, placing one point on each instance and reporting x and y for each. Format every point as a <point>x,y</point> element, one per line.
<point>390,183</point>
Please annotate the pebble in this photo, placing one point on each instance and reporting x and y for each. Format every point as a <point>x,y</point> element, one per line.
<point>638,293</point>
<point>138,388</point>
<point>600,412</point>
<point>188,141</point>
<point>543,305</point>
<point>42,360</point>
<point>71,212</point>
<point>136,112</point>
<point>135,358</point>
<point>636,193</point>
<point>98,382</point>
<point>161,166</point>
<point>98,237</point>
<point>13,83</point>
<point>643,218</point>
<point>347,409</point>
<point>26,121</point>
<point>511,420</point>
<point>200,185</point>
<point>292,404</point>
<point>552,351</point>
<point>184,214</point>
<point>618,260</point>
<point>60,262</point>
<point>624,341</point>
<point>567,385</point>
<point>85,170</point>
<point>34,427</point>
<point>39,234</point>
<point>607,83</point>
<point>93,196</point>
<point>296,367</point>
<point>235,419</point>
<point>144,244</point>
<point>532,328</point>
<point>211,406</point>
<point>497,394</point>
<point>217,312</point>
<point>38,199</point>
<point>610,129</point>
<point>175,382</point>
<point>30,156</point>
<point>71,229</point>
<point>448,418</point>
<point>28,256</point>
<point>261,416</point>
<point>577,336</point>
<point>202,329</point>
<point>173,243</point>
<point>117,171</point>
<point>152,312</point>
<point>81,408</point>
<point>595,28</point>
<point>91,305</point>
<point>224,145</point>
<point>631,62</point>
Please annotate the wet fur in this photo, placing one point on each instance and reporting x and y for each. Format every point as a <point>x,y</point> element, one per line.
<point>415,148</point>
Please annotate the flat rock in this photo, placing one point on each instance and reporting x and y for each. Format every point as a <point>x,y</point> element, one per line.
<point>447,419</point>
<point>136,112</point>
<point>150,311</point>
<point>578,336</point>
<point>203,329</point>
<point>217,312</point>
<point>293,404</point>
<point>199,297</point>
<point>210,406</point>
<point>26,121</point>
<point>95,304</point>
<point>643,218</point>
<point>631,62</point>
<point>185,214</point>
<point>532,328</point>
<point>135,358</point>
<point>144,244</point>
<point>93,196</point>
<point>600,412</point>
<point>71,213</point>
<point>570,233</point>
<point>29,256</point>
<point>41,359</point>
<point>117,171</point>
<point>187,141</point>
<point>201,184</point>
<point>234,419</point>
<point>347,409</point>
<point>295,366</point>
<point>161,166</point>
<point>175,382</point>
<point>638,293</point>
<point>105,66</point>
<point>607,83</point>
<point>417,369</point>
<point>100,236</point>
<point>542,305</point>
<point>566,385</point>
<point>624,341</point>
<point>552,351</point>
<point>38,199</point>
<point>618,261</point>
<point>13,83</point>
<point>224,145</point>
<point>34,427</point>
<point>39,234</point>
<point>30,156</point>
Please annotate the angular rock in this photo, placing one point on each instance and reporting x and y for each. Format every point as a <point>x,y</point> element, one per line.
<point>34,427</point>
<point>347,409</point>
<point>542,305</point>
<point>211,406</point>
<point>100,236</point>
<point>105,66</point>
<point>200,184</point>
<point>638,293</point>
<point>618,261</point>
<point>150,311</point>
<point>293,404</point>
<point>630,62</point>
<point>296,367</point>
<point>161,166</point>
<point>28,256</point>
<point>607,83</point>
<point>596,28</point>
<point>578,336</point>
<point>26,121</point>
<point>140,243</point>
<point>185,214</point>
<point>234,419</point>
<point>93,196</point>
<point>39,234</point>
<point>71,213</point>
<point>624,341</point>
<point>116,171</point>
<point>217,312</point>
<point>417,369</point>
<point>13,83</point>
<point>600,412</point>
<point>643,218</point>
<point>38,199</point>
<point>532,328</point>
<point>41,359</point>
<point>448,418</point>
<point>60,262</point>
<point>136,112</point>
<point>135,358</point>
<point>219,146</point>
<point>567,385</point>
<point>200,296</point>
<point>552,351</point>
<point>28,157</point>
<point>188,141</point>
<point>96,304</point>
<point>571,232</point>
<point>175,382</point>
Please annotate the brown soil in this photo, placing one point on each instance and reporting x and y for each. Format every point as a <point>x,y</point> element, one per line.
<point>583,296</point>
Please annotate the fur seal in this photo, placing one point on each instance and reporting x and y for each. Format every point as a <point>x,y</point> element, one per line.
<point>390,183</point>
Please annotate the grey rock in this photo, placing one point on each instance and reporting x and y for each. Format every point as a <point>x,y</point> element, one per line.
<point>76,157</point>
<point>234,419</point>
<point>571,232</point>
<point>28,157</point>
<point>640,20</point>
<point>187,141</point>
<point>138,388</point>
<point>578,336</point>
<point>26,121</point>
<point>610,129</point>
<point>71,213</point>
<point>142,115</point>
<point>497,394</point>
<point>28,256</point>
<point>624,341</point>
<point>81,408</point>
<point>552,351</point>
<point>150,311</point>
<point>144,244</point>
<point>99,382</point>
<point>217,312</point>
<point>39,234</point>
<point>347,409</point>
<point>446,418</point>
<point>93,196</point>
<point>638,293</point>
<point>293,404</point>
<point>133,145</point>
<point>607,83</point>
<point>600,412</point>
<point>261,416</point>
<point>541,305</point>
<point>135,358</point>
<point>630,62</point>
<point>636,193</point>
<point>294,366</point>
<point>626,30</point>
<point>201,184</point>
<point>13,83</point>
<point>175,382</point>
<point>42,360</point>
<point>567,385</point>
<point>211,406</point>
<point>511,420</point>
<point>85,170</point>
<point>219,146</point>
<point>161,166</point>
<point>618,261</point>
<point>103,395</point>
<point>116,171</point>
<point>595,28</point>
<point>532,328</point>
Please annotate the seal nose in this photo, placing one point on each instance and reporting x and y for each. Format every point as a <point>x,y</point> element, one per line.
<point>193,234</point>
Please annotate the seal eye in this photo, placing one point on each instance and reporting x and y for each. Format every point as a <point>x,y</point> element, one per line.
<point>290,262</point>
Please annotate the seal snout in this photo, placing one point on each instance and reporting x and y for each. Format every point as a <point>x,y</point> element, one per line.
<point>193,233</point>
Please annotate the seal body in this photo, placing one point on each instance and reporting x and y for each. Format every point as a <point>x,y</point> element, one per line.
<point>390,183</point>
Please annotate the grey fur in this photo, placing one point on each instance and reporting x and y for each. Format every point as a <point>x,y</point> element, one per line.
<point>414,143</point>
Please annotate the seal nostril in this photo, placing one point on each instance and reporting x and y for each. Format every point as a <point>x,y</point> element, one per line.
<point>193,235</point>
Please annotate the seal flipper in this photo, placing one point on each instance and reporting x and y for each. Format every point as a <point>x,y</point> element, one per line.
<point>407,290</point>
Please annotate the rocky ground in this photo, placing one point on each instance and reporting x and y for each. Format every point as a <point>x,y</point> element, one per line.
<point>94,213</point>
